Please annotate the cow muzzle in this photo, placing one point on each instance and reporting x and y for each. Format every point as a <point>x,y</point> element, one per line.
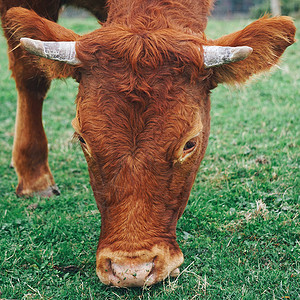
<point>141,268</point>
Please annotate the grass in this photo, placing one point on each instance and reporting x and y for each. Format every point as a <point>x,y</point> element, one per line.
<point>239,233</point>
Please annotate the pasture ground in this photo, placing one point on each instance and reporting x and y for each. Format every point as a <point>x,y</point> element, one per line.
<point>239,233</point>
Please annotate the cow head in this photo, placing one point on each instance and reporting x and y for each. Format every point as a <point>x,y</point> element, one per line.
<point>143,124</point>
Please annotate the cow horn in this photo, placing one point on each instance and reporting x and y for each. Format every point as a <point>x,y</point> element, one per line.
<point>61,51</point>
<point>218,55</point>
<point>65,52</point>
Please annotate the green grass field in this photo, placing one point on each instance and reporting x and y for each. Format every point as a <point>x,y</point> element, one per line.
<point>240,233</point>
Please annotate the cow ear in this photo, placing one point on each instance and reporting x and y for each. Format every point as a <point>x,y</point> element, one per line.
<point>24,23</point>
<point>268,37</point>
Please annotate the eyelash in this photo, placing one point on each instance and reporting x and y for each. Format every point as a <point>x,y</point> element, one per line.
<point>81,140</point>
<point>78,137</point>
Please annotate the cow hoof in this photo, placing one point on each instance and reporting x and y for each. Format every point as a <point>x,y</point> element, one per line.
<point>52,190</point>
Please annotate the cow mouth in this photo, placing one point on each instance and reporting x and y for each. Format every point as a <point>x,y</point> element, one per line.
<point>134,275</point>
<point>139,268</point>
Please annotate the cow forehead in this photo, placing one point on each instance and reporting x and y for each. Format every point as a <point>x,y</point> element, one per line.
<point>119,117</point>
<point>137,105</point>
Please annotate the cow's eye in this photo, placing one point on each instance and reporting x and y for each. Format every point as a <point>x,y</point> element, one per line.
<point>189,146</point>
<point>81,139</point>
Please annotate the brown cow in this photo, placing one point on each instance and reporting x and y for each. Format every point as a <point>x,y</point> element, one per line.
<point>142,112</point>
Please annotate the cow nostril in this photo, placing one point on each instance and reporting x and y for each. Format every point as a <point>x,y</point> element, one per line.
<point>108,267</point>
<point>151,272</point>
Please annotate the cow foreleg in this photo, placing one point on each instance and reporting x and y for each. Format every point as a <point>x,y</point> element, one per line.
<point>30,149</point>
